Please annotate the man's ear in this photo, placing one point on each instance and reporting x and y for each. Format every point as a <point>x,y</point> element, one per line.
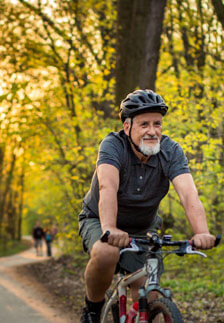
<point>126,126</point>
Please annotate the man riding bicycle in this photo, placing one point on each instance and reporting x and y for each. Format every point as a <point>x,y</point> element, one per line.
<point>134,169</point>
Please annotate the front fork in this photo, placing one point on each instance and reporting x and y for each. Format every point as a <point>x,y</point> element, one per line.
<point>122,292</point>
<point>150,285</point>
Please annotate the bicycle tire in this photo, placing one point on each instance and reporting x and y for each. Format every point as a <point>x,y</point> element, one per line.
<point>113,316</point>
<point>167,309</point>
<point>115,312</point>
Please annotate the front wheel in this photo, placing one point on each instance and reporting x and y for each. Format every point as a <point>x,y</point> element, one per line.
<point>163,310</point>
<point>110,313</point>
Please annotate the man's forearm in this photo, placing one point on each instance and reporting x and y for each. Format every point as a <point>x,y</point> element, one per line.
<point>108,209</point>
<point>194,210</point>
<point>196,216</point>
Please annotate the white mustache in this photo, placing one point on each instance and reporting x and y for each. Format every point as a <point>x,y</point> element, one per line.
<point>150,137</point>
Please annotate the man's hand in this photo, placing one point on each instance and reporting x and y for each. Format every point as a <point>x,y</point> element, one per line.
<point>203,240</point>
<point>118,238</point>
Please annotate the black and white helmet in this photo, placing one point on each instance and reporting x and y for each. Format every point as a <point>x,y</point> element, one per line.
<point>141,101</point>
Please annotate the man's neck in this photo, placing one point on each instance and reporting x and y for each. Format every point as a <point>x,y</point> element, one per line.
<point>140,156</point>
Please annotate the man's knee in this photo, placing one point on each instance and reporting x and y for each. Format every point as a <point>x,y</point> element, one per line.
<point>104,254</point>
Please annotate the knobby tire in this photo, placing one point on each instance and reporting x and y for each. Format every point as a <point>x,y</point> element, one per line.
<point>163,306</point>
<point>167,308</point>
<point>116,312</point>
<point>113,315</point>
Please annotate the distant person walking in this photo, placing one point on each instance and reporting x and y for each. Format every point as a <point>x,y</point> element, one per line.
<point>38,234</point>
<point>54,232</point>
<point>48,238</point>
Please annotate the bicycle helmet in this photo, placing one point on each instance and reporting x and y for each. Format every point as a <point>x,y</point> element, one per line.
<point>141,101</point>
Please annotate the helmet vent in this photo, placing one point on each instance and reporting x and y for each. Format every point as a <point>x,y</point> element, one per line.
<point>158,100</point>
<point>132,106</point>
<point>142,99</point>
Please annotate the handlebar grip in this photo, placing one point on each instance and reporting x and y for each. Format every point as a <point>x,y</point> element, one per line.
<point>217,240</point>
<point>104,237</point>
<point>191,243</point>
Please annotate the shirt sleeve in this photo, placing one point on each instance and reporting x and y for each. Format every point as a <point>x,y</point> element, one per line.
<point>178,163</point>
<point>110,152</point>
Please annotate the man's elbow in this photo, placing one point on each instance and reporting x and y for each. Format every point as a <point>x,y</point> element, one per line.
<point>107,189</point>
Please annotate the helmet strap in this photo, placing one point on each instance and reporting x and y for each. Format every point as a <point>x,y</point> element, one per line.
<point>130,139</point>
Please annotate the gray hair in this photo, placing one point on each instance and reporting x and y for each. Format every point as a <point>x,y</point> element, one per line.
<point>128,120</point>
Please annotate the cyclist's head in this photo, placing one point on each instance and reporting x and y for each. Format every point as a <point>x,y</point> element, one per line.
<point>141,101</point>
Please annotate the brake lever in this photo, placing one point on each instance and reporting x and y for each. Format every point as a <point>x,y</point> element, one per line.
<point>188,249</point>
<point>133,247</point>
<point>191,251</point>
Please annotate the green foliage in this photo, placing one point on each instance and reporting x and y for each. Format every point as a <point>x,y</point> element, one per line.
<point>52,100</point>
<point>194,94</point>
<point>57,104</point>
<point>11,247</point>
<point>193,278</point>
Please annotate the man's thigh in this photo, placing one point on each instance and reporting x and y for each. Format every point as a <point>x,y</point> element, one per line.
<point>90,231</point>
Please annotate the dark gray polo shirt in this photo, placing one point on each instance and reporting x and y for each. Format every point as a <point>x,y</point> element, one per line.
<point>142,186</point>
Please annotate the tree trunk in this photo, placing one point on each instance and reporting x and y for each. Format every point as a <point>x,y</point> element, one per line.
<point>2,155</point>
<point>131,22</point>
<point>6,189</point>
<point>139,28</point>
<point>219,10</point>
<point>152,44</point>
<point>20,211</point>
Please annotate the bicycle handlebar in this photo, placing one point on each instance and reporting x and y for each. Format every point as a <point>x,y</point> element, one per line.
<point>186,246</point>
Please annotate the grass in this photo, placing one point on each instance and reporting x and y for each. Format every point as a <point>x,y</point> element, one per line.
<point>193,275</point>
<point>197,285</point>
<point>12,247</point>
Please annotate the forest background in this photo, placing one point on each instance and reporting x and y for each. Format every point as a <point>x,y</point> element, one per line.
<point>66,64</point>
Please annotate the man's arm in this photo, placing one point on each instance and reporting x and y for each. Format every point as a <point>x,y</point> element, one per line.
<point>108,178</point>
<point>185,188</point>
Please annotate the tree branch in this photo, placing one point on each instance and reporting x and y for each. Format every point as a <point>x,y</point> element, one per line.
<point>61,33</point>
<point>219,10</point>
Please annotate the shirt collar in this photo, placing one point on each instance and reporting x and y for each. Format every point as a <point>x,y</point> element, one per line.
<point>152,161</point>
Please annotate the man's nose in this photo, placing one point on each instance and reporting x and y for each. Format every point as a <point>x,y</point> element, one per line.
<point>151,131</point>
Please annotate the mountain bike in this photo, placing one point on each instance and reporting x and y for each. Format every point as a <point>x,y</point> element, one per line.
<point>162,309</point>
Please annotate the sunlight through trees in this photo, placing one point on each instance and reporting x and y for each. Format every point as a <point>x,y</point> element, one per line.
<point>61,74</point>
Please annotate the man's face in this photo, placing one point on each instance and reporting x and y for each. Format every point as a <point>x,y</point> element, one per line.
<point>146,131</point>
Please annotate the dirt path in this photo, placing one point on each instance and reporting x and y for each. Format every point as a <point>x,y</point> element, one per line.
<point>22,298</point>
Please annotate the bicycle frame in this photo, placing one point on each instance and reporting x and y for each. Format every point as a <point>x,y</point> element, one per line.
<point>150,271</point>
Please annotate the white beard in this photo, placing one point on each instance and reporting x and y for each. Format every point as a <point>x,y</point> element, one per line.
<point>148,151</point>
